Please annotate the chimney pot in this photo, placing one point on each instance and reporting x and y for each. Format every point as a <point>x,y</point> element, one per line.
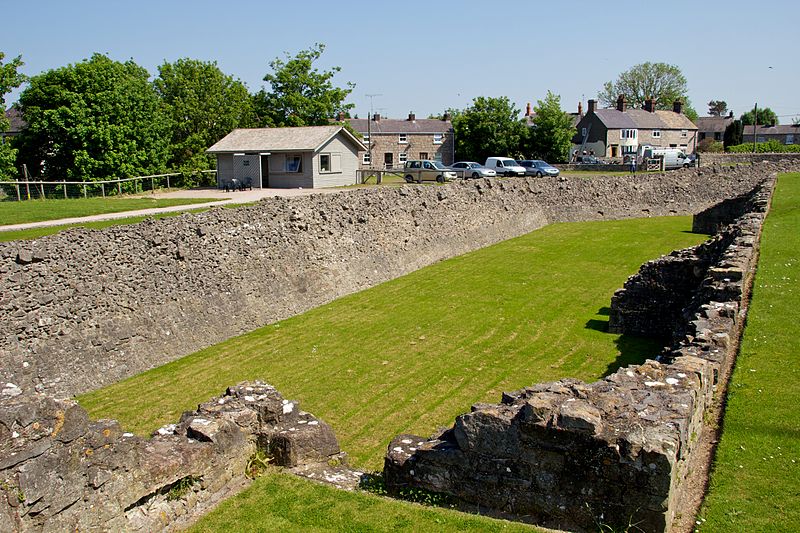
<point>580,109</point>
<point>650,105</point>
<point>677,106</point>
<point>376,117</point>
<point>621,103</point>
<point>528,110</point>
<point>592,104</point>
<point>446,117</point>
<point>412,117</point>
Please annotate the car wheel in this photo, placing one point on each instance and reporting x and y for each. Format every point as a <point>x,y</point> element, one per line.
<point>475,175</point>
<point>409,179</point>
<point>686,165</point>
<point>538,174</point>
<point>440,179</point>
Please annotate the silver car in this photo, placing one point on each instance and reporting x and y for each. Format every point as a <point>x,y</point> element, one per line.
<point>420,170</point>
<point>471,169</point>
<point>538,168</point>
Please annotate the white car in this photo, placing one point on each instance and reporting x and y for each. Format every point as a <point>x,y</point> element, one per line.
<point>471,169</point>
<point>505,166</point>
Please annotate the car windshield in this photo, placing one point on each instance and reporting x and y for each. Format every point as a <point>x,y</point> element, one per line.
<point>439,166</point>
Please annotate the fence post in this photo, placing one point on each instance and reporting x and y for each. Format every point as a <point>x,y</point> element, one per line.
<point>152,186</point>
<point>119,187</point>
<point>41,185</point>
<point>65,189</point>
<point>19,198</point>
<point>84,191</point>
<point>167,181</point>
<point>103,189</point>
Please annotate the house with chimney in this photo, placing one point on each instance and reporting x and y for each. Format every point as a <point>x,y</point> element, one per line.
<point>620,131</point>
<point>392,142</point>
<point>783,133</point>
<point>713,127</point>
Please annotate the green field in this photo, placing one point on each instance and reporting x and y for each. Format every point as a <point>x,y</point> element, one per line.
<point>13,212</point>
<point>755,483</point>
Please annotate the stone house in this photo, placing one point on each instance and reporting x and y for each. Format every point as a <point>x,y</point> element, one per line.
<point>391,142</point>
<point>285,158</point>
<point>620,131</point>
<point>713,127</point>
<point>784,134</point>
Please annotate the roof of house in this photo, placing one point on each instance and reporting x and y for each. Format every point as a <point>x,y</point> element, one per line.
<point>390,125</point>
<point>782,129</point>
<point>296,139</point>
<point>713,124</point>
<point>645,120</point>
<point>16,122</point>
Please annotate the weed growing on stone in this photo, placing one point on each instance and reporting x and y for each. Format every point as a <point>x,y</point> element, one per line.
<point>257,464</point>
<point>181,488</point>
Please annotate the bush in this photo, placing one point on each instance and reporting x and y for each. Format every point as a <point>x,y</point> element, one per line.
<point>709,146</point>
<point>770,147</point>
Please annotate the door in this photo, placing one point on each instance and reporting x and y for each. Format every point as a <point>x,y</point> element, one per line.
<point>264,172</point>
<point>388,160</point>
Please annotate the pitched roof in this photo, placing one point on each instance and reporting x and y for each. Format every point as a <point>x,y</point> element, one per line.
<point>615,119</point>
<point>782,129</point>
<point>713,124</point>
<point>390,125</point>
<point>645,120</point>
<point>16,122</point>
<point>297,139</point>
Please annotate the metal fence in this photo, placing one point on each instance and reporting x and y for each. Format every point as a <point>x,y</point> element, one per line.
<point>31,190</point>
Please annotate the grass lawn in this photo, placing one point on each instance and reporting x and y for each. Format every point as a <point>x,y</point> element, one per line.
<point>755,484</point>
<point>13,212</point>
<point>412,353</point>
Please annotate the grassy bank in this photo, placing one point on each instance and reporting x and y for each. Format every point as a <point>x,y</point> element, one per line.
<point>755,483</point>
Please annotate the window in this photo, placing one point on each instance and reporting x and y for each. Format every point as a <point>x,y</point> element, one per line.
<point>656,134</point>
<point>583,132</point>
<point>402,138</point>
<point>324,162</point>
<point>684,133</point>
<point>628,149</point>
<point>365,159</point>
<point>790,138</point>
<point>366,138</point>
<point>403,157</point>
<point>717,136</point>
<point>627,134</point>
<point>423,155</point>
<point>438,138</point>
<point>294,163</point>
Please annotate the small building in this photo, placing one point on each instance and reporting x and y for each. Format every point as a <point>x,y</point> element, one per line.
<point>620,131</point>
<point>713,127</point>
<point>286,158</point>
<point>15,123</point>
<point>784,134</point>
<point>392,142</point>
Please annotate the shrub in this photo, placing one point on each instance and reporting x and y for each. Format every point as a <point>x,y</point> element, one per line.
<point>709,146</point>
<point>770,147</point>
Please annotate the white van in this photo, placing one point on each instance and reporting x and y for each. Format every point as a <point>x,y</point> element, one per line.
<point>673,157</point>
<point>505,166</point>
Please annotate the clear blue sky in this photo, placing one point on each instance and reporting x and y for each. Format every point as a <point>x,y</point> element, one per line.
<point>427,56</point>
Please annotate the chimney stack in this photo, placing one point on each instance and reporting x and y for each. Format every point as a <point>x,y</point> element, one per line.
<point>677,106</point>
<point>650,105</point>
<point>376,117</point>
<point>528,110</point>
<point>412,117</point>
<point>340,116</point>
<point>621,103</point>
<point>446,116</point>
<point>730,115</point>
<point>580,109</point>
<point>592,104</point>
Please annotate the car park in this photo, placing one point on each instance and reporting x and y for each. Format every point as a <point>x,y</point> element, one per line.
<point>505,166</point>
<point>538,168</point>
<point>419,170</point>
<point>471,169</point>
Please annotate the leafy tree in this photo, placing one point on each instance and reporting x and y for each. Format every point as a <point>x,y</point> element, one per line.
<point>94,120</point>
<point>661,81</point>
<point>766,116</point>
<point>300,95</point>
<point>717,108</point>
<point>550,138</point>
<point>204,105</point>
<point>489,127</point>
<point>10,78</point>
<point>733,134</point>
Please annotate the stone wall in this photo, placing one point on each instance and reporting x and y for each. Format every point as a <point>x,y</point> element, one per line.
<point>85,308</point>
<point>579,456</point>
<point>61,472</point>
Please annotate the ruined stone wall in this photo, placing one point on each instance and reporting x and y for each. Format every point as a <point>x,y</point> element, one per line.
<point>61,472</point>
<point>82,309</point>
<point>614,452</point>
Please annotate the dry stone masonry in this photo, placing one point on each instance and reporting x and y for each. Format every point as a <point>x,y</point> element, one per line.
<point>582,457</point>
<point>83,308</point>
<point>59,471</point>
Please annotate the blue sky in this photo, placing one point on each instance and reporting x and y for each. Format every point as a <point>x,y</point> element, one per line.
<point>427,56</point>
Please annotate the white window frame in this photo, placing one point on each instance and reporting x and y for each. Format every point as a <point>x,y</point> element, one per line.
<point>438,138</point>
<point>322,169</point>
<point>684,133</point>
<point>366,138</point>
<point>365,159</point>
<point>402,138</point>
<point>656,134</point>
<point>403,157</point>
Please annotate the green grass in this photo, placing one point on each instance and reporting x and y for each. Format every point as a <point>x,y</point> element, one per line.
<point>411,354</point>
<point>13,212</point>
<point>755,484</point>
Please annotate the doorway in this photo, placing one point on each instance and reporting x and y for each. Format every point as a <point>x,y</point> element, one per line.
<point>388,160</point>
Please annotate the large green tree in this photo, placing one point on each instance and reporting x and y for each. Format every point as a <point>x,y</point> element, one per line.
<point>93,120</point>
<point>299,94</point>
<point>665,83</point>
<point>766,116</point>
<point>489,127</point>
<point>204,105</point>
<point>10,78</point>
<point>733,134</point>
<point>550,138</point>
<point>717,108</point>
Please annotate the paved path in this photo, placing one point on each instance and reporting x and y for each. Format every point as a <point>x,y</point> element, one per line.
<point>220,198</point>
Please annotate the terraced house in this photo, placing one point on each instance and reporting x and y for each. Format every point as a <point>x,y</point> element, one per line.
<point>620,131</point>
<point>392,142</point>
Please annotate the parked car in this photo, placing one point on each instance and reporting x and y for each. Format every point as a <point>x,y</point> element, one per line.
<point>505,166</point>
<point>420,170</point>
<point>588,160</point>
<point>538,168</point>
<point>471,169</point>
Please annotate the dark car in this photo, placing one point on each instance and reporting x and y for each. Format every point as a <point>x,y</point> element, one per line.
<point>538,168</point>
<point>588,160</point>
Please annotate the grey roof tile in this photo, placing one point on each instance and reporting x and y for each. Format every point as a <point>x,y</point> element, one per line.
<point>306,138</point>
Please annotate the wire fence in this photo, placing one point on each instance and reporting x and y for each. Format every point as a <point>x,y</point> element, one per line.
<point>38,190</point>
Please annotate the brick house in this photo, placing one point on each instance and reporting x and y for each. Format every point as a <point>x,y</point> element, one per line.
<point>620,131</point>
<point>784,134</point>
<point>713,127</point>
<point>392,142</point>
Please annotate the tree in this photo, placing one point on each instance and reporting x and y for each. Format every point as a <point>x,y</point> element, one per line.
<point>10,79</point>
<point>299,94</point>
<point>204,105</point>
<point>665,83</point>
<point>717,108</point>
<point>733,134</point>
<point>489,127</point>
<point>550,138</point>
<point>98,119</point>
<point>766,116</point>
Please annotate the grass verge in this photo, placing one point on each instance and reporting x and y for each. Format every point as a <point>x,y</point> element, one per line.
<point>755,483</point>
<point>13,212</point>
